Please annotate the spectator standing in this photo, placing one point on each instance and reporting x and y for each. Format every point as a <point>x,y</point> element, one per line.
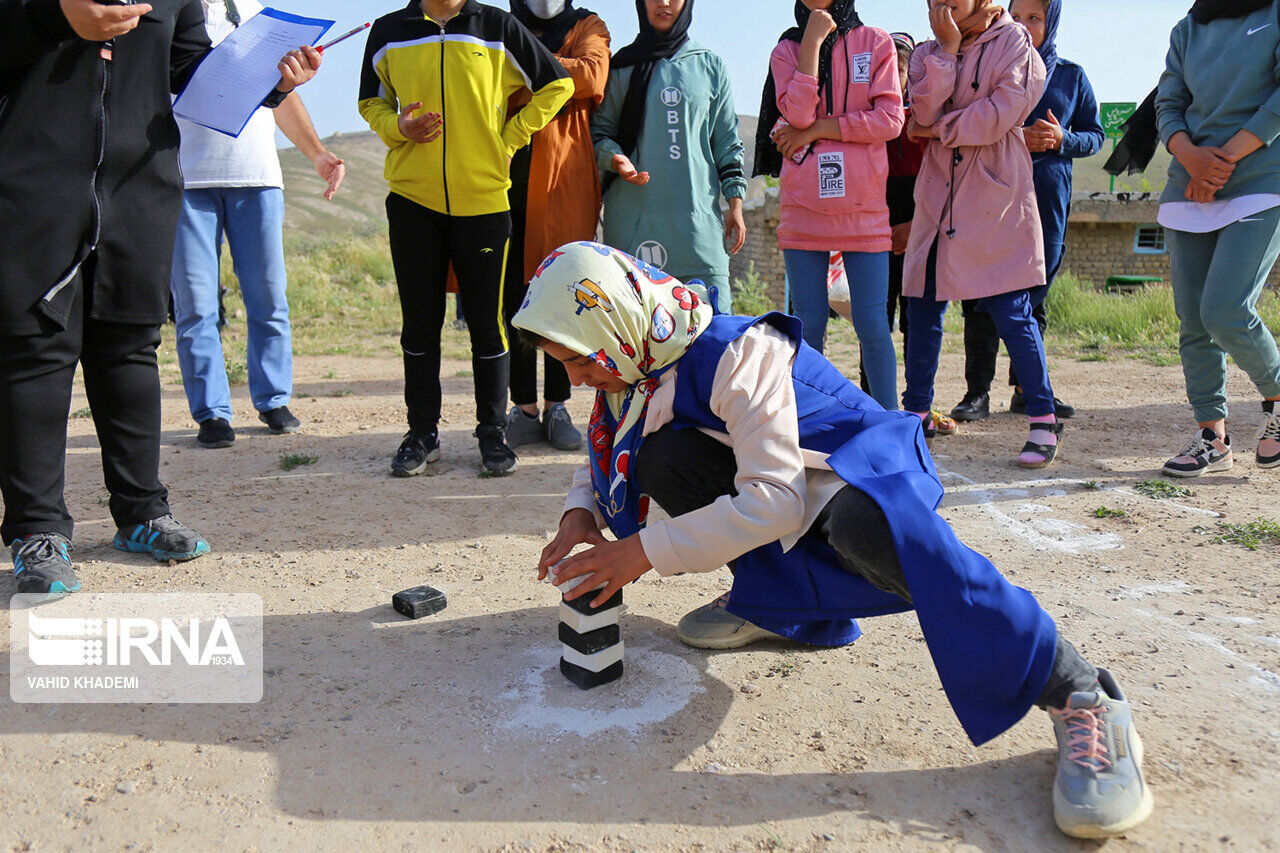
<point>1063,127</point>
<point>88,217</point>
<point>1221,208</point>
<point>668,127</point>
<point>832,101</point>
<point>976,233</point>
<point>555,199</point>
<point>435,87</point>
<point>233,186</point>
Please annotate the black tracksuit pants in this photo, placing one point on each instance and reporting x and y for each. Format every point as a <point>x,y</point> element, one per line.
<point>524,359</point>
<point>423,245</point>
<point>118,361</point>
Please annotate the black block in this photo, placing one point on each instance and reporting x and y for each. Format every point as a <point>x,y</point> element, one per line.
<point>419,601</point>
<point>585,678</point>
<point>583,604</point>
<point>592,641</point>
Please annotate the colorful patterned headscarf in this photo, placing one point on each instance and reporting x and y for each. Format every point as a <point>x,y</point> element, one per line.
<point>635,321</point>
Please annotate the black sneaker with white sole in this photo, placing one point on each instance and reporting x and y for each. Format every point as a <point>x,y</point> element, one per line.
<point>1204,454</point>
<point>416,451</point>
<point>280,420</point>
<point>497,457</point>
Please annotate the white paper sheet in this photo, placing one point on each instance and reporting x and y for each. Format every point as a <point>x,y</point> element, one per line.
<point>239,73</point>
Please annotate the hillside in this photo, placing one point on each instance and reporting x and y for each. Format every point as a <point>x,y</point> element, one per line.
<point>358,208</point>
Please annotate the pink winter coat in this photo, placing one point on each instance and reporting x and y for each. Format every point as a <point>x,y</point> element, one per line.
<point>988,226</point>
<point>835,199</point>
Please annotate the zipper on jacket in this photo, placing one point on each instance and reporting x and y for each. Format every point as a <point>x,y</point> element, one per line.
<point>102,150</point>
<point>444,131</point>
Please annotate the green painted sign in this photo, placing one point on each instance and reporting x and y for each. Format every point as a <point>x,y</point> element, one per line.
<point>1114,116</point>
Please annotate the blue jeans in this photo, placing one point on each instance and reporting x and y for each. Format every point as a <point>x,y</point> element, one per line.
<point>1012,314</point>
<point>868,274</point>
<point>1217,279</point>
<point>252,219</point>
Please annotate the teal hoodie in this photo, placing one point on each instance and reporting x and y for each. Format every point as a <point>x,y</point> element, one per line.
<point>689,146</point>
<point>1219,78</point>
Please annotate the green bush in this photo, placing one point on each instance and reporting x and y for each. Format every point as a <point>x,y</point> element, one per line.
<point>751,295</point>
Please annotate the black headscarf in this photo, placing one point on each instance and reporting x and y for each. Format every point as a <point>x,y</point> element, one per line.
<point>1141,136</point>
<point>644,54</point>
<point>768,160</point>
<point>554,30</point>
<point>1205,11</point>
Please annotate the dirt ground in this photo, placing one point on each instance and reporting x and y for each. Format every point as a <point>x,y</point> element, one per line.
<point>456,732</point>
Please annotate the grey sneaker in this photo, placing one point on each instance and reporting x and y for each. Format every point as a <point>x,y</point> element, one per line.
<point>713,627</point>
<point>522,429</point>
<point>42,564</point>
<point>1100,789</point>
<point>559,428</point>
<point>164,538</point>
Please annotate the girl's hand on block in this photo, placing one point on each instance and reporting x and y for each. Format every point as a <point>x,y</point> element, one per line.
<point>627,171</point>
<point>944,27</point>
<point>614,564</point>
<point>576,526</point>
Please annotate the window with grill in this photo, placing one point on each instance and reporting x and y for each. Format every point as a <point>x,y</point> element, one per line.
<point>1149,240</point>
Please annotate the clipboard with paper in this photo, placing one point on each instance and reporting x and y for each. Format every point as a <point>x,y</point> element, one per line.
<point>237,75</point>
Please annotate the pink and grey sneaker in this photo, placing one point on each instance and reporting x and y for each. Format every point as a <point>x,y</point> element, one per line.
<point>1204,454</point>
<point>1100,789</point>
<point>1268,455</point>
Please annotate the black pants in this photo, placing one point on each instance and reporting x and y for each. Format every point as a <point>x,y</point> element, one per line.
<point>423,245</point>
<point>123,384</point>
<point>685,470</point>
<point>524,359</point>
<point>982,344</point>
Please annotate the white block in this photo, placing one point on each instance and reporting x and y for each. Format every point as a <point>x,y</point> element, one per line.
<point>593,663</point>
<point>582,623</point>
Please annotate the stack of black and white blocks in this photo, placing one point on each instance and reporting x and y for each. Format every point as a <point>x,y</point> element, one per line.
<point>591,644</point>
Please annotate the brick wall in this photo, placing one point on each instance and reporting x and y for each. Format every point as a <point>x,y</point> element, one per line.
<point>761,250</point>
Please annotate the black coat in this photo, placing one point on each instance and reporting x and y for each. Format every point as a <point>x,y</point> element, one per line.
<point>89,175</point>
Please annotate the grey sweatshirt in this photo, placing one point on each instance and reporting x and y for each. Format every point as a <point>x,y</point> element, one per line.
<point>1219,78</point>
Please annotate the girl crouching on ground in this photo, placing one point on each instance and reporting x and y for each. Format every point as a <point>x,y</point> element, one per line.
<point>766,457</point>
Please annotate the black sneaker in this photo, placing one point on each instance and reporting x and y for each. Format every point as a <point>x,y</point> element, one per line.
<point>280,420</point>
<point>416,450</point>
<point>974,407</point>
<point>42,564</point>
<point>498,458</point>
<point>215,433</point>
<point>561,432</point>
<point>1061,410</point>
<point>164,538</point>
<point>1204,454</point>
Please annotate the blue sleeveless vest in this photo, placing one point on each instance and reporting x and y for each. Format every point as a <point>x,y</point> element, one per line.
<point>991,642</point>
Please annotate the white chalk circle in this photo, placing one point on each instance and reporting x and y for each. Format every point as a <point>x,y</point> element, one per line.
<point>654,687</point>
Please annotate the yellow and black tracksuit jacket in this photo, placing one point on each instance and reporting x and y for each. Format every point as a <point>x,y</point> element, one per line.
<point>465,70</point>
